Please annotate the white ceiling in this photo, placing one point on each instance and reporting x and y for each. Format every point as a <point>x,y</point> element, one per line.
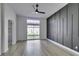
<point>26,9</point>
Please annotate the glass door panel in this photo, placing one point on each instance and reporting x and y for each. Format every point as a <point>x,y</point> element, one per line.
<point>33,29</point>
<point>33,32</point>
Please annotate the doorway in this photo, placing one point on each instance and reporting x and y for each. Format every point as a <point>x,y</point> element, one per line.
<point>9,32</point>
<point>33,29</point>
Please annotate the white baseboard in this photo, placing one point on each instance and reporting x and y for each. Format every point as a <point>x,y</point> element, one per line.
<point>73,52</point>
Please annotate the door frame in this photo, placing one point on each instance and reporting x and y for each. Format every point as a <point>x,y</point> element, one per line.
<point>11,32</point>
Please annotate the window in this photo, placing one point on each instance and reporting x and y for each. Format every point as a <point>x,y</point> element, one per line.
<point>33,29</point>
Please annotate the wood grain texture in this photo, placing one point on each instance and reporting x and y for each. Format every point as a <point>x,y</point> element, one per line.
<point>35,48</point>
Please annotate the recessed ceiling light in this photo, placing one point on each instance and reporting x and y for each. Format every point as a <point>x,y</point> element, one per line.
<point>36,12</point>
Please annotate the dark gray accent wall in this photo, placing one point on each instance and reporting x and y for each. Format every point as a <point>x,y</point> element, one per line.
<point>62,27</point>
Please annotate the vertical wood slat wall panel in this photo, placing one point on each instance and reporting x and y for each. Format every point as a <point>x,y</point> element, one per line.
<point>75,25</point>
<point>69,25</point>
<point>64,26</point>
<point>59,33</point>
<point>78,26</point>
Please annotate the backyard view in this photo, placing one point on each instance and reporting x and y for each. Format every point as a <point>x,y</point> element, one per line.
<point>33,29</point>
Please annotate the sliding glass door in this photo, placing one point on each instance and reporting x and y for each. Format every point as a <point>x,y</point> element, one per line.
<point>33,29</point>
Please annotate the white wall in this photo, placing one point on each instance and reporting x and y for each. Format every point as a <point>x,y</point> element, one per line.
<point>8,14</point>
<point>0,29</point>
<point>43,28</point>
<point>21,27</point>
